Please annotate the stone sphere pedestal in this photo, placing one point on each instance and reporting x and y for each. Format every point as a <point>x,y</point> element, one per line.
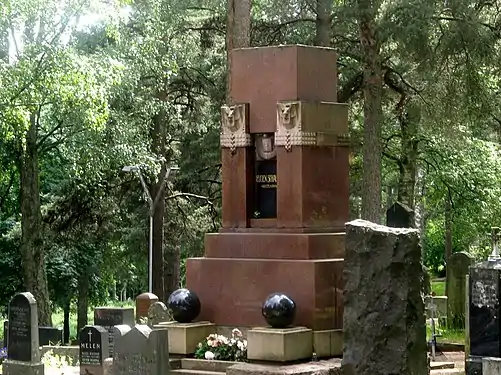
<point>184,337</point>
<point>279,345</point>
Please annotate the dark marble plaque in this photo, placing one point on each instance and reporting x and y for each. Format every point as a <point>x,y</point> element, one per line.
<point>266,189</point>
<point>108,317</point>
<point>93,349</point>
<point>50,336</point>
<point>484,310</point>
<point>399,216</point>
<point>22,344</point>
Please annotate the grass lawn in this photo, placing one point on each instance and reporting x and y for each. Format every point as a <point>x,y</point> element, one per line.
<point>450,336</point>
<point>438,286</point>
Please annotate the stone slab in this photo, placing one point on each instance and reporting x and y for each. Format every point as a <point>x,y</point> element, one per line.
<point>491,366</point>
<point>275,245</point>
<point>330,367</point>
<point>328,343</point>
<point>279,345</point>
<point>10,367</point>
<point>384,330</point>
<point>315,285</point>
<point>184,337</point>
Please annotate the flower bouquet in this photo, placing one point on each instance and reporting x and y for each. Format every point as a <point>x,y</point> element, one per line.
<point>222,348</point>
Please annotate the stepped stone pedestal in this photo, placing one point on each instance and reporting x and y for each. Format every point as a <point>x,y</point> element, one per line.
<point>184,337</point>
<point>285,192</point>
<point>280,345</point>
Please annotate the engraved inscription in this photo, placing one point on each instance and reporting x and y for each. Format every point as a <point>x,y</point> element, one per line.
<point>134,363</point>
<point>19,337</point>
<point>484,288</point>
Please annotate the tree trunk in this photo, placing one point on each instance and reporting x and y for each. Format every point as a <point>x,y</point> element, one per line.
<point>237,34</point>
<point>372,149</point>
<point>448,240</point>
<point>172,258</point>
<point>323,23</point>
<point>409,121</point>
<point>4,40</point>
<point>158,147</point>
<point>158,236</point>
<point>32,250</point>
<point>66,322</point>
<point>83,301</point>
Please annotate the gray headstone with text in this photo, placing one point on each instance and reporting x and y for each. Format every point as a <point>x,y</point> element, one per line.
<point>108,317</point>
<point>141,351</point>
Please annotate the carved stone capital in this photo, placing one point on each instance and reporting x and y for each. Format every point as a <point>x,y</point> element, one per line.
<point>311,124</point>
<point>235,127</point>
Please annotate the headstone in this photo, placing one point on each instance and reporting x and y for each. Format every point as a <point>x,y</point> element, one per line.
<point>400,215</point>
<point>143,303</point>
<point>484,295</point>
<point>108,317</point>
<point>484,314</point>
<point>158,313</point>
<point>93,350</point>
<point>457,269</point>
<point>23,352</point>
<point>384,329</point>
<point>141,351</point>
<point>50,336</point>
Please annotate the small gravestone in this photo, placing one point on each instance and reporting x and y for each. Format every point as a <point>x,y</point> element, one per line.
<point>23,352</point>
<point>457,269</point>
<point>93,350</point>
<point>141,350</point>
<point>158,313</point>
<point>108,317</point>
<point>50,336</point>
<point>400,215</point>
<point>143,303</point>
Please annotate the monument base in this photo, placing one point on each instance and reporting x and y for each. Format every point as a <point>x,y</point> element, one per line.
<point>11,367</point>
<point>232,291</point>
<point>184,337</point>
<point>279,345</point>
<point>328,343</point>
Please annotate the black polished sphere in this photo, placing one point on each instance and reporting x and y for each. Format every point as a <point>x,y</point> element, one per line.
<point>279,310</point>
<point>184,305</point>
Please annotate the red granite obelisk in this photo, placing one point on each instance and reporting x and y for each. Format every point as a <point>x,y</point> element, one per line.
<point>285,192</point>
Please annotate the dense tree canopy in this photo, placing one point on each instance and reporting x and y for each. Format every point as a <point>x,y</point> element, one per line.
<point>89,86</point>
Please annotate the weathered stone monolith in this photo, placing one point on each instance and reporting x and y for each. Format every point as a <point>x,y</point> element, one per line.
<point>383,323</point>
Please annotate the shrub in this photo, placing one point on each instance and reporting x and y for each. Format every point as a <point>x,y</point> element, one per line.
<point>222,348</point>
